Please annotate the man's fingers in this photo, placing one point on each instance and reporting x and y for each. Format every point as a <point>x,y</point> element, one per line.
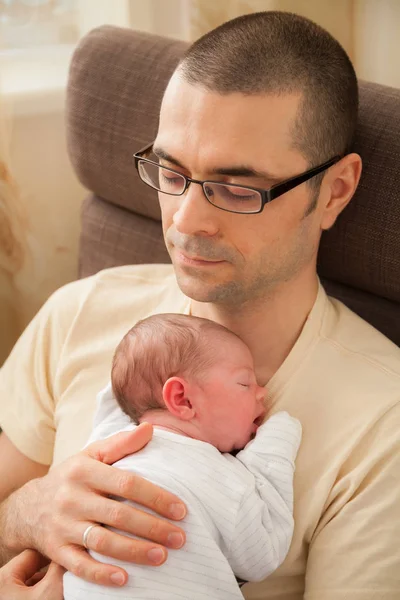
<point>21,568</point>
<point>124,517</point>
<point>51,585</point>
<point>127,485</point>
<point>36,578</point>
<point>122,547</point>
<point>77,561</point>
<point>120,445</point>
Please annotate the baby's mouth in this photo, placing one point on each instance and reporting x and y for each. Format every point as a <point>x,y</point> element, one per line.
<point>260,420</point>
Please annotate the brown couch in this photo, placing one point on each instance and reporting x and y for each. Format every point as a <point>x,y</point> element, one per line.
<point>116,83</point>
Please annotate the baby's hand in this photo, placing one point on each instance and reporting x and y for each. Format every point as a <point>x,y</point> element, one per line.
<point>279,430</point>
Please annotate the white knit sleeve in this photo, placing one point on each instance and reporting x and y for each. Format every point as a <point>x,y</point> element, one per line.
<point>264,525</point>
<point>108,418</point>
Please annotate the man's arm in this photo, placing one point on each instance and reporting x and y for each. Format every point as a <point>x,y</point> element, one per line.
<point>264,527</point>
<point>51,513</point>
<point>15,470</point>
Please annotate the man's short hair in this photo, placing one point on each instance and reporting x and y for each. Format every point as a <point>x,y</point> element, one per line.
<point>157,348</point>
<point>283,53</point>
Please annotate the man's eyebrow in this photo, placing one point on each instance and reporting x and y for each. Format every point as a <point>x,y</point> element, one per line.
<point>237,171</point>
<point>244,171</point>
<point>161,153</point>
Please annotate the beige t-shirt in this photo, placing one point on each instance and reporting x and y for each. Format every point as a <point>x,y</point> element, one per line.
<point>341,380</point>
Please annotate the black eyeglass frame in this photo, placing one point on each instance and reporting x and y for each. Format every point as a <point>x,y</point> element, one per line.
<point>266,195</point>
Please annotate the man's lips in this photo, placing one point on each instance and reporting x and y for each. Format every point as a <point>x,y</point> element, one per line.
<point>195,260</point>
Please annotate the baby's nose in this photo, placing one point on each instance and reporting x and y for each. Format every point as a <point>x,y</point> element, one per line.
<point>261,394</point>
<point>261,401</point>
<point>260,409</point>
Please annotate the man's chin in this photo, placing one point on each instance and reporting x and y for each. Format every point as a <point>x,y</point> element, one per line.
<point>208,287</point>
<point>195,288</point>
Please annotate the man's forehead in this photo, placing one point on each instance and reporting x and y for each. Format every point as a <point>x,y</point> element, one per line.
<point>230,127</point>
<point>182,98</point>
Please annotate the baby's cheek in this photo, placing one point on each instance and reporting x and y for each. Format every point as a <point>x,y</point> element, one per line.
<point>247,416</point>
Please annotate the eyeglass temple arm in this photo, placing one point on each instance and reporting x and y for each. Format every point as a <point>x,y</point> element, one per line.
<point>282,188</point>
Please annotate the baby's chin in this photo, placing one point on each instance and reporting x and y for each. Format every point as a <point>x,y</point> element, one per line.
<point>238,447</point>
<point>234,446</point>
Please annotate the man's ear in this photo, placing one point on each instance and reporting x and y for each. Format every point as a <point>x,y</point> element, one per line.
<point>344,179</point>
<point>176,396</point>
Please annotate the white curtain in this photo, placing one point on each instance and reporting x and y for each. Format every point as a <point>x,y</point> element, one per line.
<point>369,30</point>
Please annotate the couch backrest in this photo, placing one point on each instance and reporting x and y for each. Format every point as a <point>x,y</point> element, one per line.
<point>116,83</point>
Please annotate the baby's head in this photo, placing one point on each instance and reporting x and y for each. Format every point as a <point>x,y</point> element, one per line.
<point>191,372</point>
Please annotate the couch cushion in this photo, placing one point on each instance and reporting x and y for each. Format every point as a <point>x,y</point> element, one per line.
<point>113,236</point>
<point>116,82</point>
<point>363,248</point>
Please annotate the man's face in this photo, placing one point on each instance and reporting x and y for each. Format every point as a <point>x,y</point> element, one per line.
<point>223,257</point>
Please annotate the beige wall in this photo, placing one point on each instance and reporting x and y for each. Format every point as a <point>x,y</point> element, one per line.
<point>47,229</point>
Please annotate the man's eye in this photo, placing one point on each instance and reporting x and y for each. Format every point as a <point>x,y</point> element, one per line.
<point>170,178</point>
<point>246,385</point>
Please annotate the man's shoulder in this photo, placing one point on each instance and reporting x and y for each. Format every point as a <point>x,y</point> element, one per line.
<point>143,273</point>
<point>116,279</point>
<point>117,295</point>
<point>359,343</point>
<point>150,274</point>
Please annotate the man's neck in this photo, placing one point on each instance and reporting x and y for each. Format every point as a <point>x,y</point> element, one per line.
<point>270,326</point>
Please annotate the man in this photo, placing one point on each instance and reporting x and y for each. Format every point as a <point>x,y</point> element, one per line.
<point>261,100</point>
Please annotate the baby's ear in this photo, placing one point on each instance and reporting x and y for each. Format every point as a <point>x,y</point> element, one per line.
<point>176,398</point>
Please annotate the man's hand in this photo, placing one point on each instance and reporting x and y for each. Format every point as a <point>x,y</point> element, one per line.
<point>52,513</point>
<point>18,577</point>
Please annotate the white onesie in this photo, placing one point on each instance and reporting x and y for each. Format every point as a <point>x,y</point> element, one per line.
<point>240,509</point>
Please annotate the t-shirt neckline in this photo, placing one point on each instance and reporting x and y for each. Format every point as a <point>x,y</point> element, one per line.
<point>306,340</point>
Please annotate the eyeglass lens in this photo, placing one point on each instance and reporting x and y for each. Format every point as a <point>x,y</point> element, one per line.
<point>228,197</point>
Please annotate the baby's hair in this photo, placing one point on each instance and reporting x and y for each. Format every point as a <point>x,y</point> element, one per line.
<point>157,348</point>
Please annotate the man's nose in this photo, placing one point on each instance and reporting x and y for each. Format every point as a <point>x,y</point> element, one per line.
<point>195,215</point>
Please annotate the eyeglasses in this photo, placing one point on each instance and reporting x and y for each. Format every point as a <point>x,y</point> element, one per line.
<point>226,196</point>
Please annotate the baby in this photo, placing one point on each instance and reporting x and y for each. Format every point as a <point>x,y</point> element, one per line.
<point>194,381</point>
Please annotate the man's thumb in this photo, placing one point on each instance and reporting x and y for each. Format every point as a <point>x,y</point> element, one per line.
<point>24,566</point>
<point>121,444</point>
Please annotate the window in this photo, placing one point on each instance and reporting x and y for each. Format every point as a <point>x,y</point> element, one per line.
<point>38,38</point>
<point>38,23</point>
